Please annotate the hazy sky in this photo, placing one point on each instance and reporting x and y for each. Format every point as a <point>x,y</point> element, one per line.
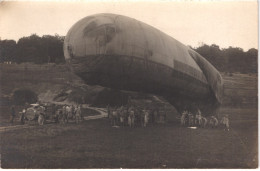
<point>228,23</point>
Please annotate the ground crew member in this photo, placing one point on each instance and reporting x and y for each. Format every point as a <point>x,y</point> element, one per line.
<point>12,114</point>
<point>78,114</point>
<point>125,117</point>
<point>191,119</point>
<point>60,116</point>
<point>213,122</point>
<point>146,117</point>
<point>108,112</point>
<point>22,118</point>
<point>225,122</point>
<point>40,119</point>
<point>198,118</point>
<point>204,121</point>
<point>64,113</point>
<point>69,113</point>
<point>131,118</point>
<point>183,117</point>
<point>114,117</point>
<point>73,112</point>
<point>122,117</point>
<point>137,116</point>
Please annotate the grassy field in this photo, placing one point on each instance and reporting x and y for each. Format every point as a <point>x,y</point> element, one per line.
<point>95,144</point>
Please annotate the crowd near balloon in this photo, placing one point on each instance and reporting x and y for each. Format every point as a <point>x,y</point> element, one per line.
<point>197,120</point>
<point>134,117</point>
<point>121,116</point>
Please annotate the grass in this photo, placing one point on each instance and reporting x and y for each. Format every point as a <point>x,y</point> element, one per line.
<point>95,144</point>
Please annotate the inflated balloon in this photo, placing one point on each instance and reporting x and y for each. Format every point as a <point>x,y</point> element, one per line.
<point>122,53</point>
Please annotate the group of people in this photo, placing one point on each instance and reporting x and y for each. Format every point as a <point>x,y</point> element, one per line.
<point>60,114</point>
<point>189,119</point>
<point>133,116</point>
<point>69,112</point>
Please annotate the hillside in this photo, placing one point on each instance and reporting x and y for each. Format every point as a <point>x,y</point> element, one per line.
<point>240,90</point>
<point>56,83</point>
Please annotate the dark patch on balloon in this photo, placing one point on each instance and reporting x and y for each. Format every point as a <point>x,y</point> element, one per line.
<point>110,33</point>
<point>90,27</point>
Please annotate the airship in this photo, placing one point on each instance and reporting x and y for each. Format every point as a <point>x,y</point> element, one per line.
<point>123,53</point>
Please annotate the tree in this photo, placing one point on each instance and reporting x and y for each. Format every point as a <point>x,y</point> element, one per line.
<point>7,50</point>
<point>40,50</point>
<point>232,59</point>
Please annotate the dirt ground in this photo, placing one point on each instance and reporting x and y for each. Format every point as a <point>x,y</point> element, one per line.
<point>95,144</point>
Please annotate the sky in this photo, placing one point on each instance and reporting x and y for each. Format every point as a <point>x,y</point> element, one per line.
<point>225,23</point>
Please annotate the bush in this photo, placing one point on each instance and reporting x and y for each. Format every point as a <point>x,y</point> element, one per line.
<point>23,96</point>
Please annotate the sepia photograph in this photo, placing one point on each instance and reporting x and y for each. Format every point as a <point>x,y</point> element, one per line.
<point>138,84</point>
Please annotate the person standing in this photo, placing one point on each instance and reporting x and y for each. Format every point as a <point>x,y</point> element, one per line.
<point>73,112</point>
<point>22,118</point>
<point>204,121</point>
<point>108,112</point>
<point>198,118</point>
<point>191,119</point>
<point>64,113</point>
<point>78,114</point>
<point>115,117</point>
<point>183,118</point>
<point>213,122</point>
<point>225,122</point>
<point>131,117</point>
<point>12,114</point>
<point>41,119</point>
<point>67,113</point>
<point>122,116</point>
<point>146,117</point>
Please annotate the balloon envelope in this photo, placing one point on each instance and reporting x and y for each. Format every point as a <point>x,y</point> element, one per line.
<point>120,52</point>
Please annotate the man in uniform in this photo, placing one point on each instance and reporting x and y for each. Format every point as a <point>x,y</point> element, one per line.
<point>146,117</point>
<point>204,121</point>
<point>12,114</point>
<point>69,113</point>
<point>183,117</point>
<point>64,114</point>
<point>73,112</point>
<point>225,122</point>
<point>78,114</point>
<point>22,118</point>
<point>131,117</point>
<point>41,119</point>
<point>114,117</point>
<point>213,122</point>
<point>121,115</point>
<point>191,119</point>
<point>108,112</point>
<point>198,118</point>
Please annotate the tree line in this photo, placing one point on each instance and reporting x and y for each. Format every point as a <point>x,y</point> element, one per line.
<point>232,59</point>
<point>49,49</point>
<point>34,49</point>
